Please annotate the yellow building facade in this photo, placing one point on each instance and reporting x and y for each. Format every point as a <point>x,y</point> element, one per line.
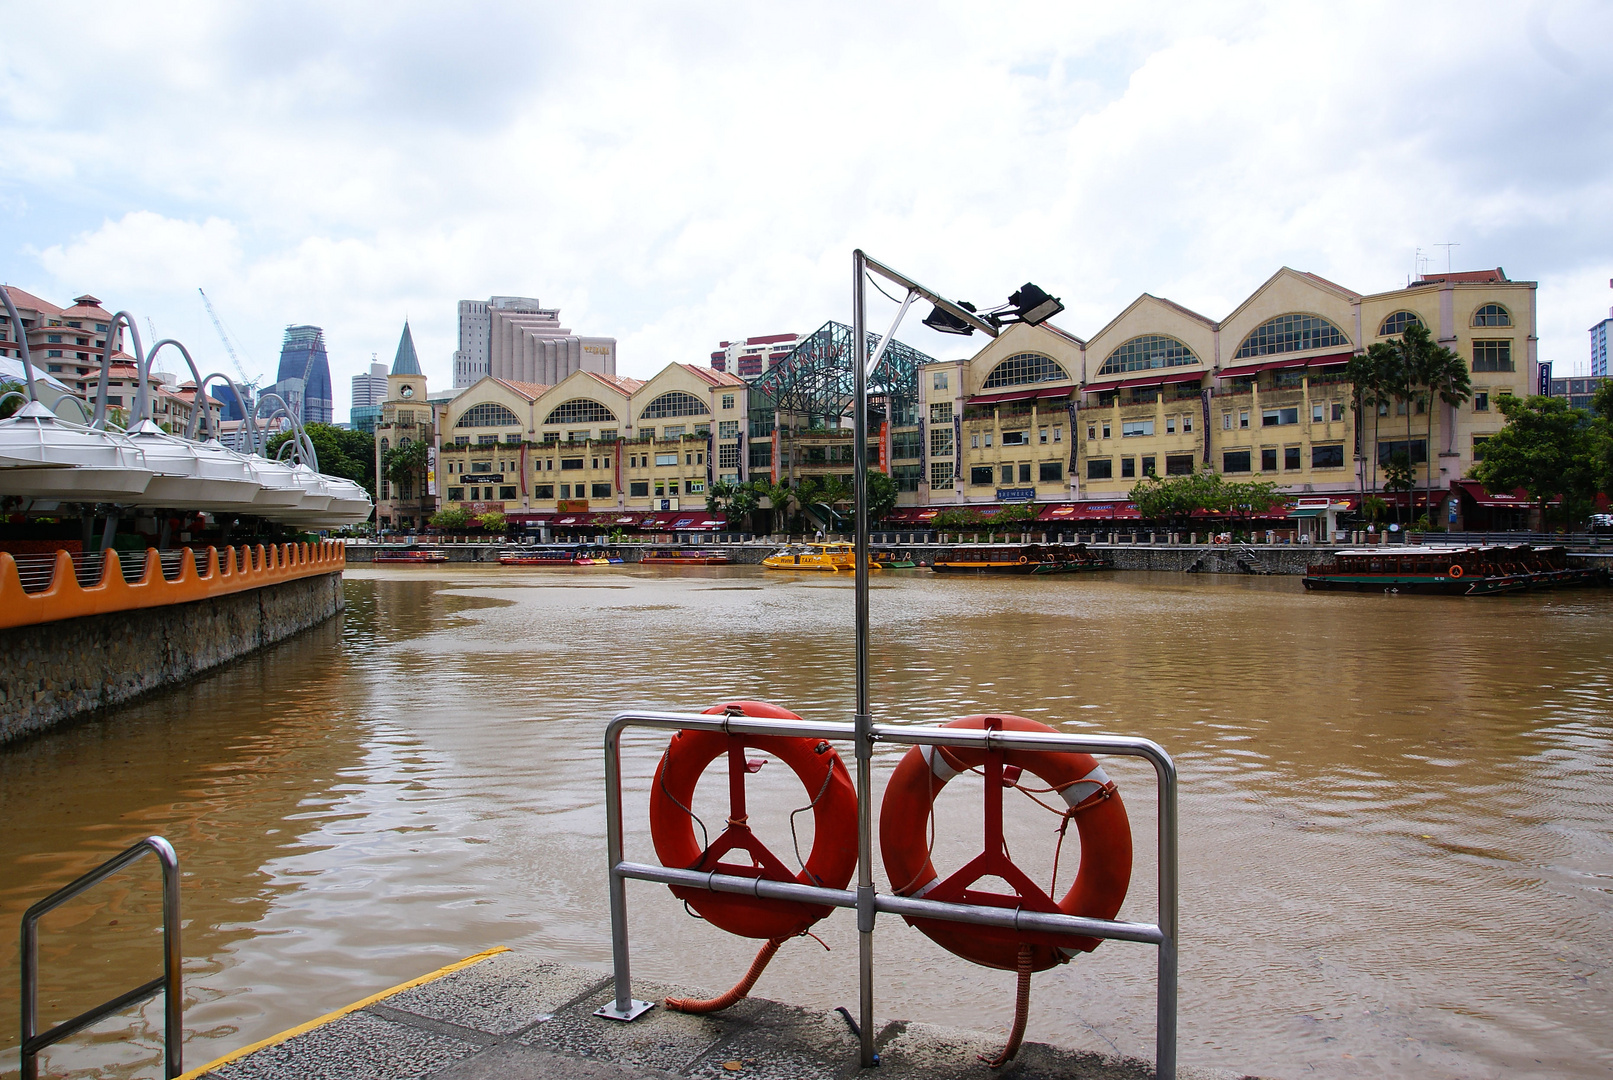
<point>1040,414</point>
<point>592,444</point>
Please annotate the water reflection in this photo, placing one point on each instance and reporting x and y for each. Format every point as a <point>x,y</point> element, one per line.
<point>1396,852</point>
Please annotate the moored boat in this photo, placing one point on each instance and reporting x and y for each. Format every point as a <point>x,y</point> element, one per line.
<point>1015,559</point>
<point>1451,570</point>
<point>894,560</point>
<point>410,556</point>
<point>685,556</point>
<point>546,556</point>
<point>830,557</point>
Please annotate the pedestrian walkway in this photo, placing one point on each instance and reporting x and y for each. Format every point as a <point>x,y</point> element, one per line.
<point>512,1017</point>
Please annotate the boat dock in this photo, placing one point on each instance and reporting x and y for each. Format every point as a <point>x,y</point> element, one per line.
<point>506,1015</point>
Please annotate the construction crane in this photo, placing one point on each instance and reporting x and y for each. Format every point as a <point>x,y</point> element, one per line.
<point>247,381</point>
<point>249,385</point>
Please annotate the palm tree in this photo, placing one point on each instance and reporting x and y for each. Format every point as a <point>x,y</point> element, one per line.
<point>1446,376</point>
<point>1366,374</point>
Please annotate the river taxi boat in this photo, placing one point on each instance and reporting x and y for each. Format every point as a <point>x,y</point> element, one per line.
<point>546,556</point>
<point>1452,570</point>
<point>409,556</point>
<point>685,556</point>
<point>831,557</point>
<point>1020,559</point>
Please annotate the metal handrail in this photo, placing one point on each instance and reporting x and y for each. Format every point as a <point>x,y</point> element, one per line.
<point>169,982</point>
<point>868,902</point>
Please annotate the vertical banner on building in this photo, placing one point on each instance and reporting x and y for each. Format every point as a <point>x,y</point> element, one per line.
<point>522,463</point>
<point>1073,410</point>
<point>1545,379</point>
<point>711,459</point>
<point>885,446</point>
<point>431,470</point>
<point>957,446</point>
<point>1205,418</point>
<point>740,452</point>
<point>775,453</point>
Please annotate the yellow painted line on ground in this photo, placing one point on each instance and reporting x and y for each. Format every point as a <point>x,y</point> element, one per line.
<point>291,1033</point>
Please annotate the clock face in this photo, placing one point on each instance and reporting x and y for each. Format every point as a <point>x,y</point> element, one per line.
<point>408,391</point>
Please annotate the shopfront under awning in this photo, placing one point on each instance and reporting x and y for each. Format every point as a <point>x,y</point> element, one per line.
<point>1518,498</point>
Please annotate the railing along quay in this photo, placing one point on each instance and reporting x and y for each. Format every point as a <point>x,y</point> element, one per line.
<point>102,583</point>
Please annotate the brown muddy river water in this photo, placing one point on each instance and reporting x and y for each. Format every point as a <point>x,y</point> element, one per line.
<point>1397,840</point>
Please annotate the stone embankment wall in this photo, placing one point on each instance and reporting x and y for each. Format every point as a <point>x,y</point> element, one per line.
<point>60,670</point>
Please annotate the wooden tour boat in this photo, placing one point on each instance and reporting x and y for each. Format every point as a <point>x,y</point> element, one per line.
<point>830,557</point>
<point>685,556</point>
<point>409,556</point>
<point>1452,569</point>
<point>1020,559</point>
<point>546,556</point>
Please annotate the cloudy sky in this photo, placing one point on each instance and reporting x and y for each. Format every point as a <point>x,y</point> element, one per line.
<point>673,174</point>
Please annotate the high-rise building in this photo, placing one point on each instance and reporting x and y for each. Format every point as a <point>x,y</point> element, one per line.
<point>1599,335</point>
<point>752,358</point>
<point>368,393</point>
<point>517,338</point>
<point>304,376</point>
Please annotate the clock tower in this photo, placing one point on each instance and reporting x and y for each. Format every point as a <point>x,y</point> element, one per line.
<point>405,484</point>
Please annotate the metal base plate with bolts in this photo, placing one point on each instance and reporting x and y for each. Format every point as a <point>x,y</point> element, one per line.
<point>611,1012</point>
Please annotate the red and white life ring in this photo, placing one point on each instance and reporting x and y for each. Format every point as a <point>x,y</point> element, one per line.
<point>834,814</point>
<point>1091,800</point>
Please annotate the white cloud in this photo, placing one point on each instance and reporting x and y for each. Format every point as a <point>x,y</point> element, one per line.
<point>678,175</point>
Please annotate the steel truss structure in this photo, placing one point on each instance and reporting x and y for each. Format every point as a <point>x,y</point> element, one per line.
<point>815,386</point>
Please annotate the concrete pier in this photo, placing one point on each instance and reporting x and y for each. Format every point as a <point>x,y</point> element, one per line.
<point>507,1016</point>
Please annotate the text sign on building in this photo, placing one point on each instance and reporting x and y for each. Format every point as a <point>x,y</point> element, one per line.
<point>572,506</point>
<point>1016,494</point>
<point>484,507</point>
<point>1545,379</point>
<point>482,478</point>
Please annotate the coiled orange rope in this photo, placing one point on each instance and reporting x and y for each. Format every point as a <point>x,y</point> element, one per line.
<point>743,987</point>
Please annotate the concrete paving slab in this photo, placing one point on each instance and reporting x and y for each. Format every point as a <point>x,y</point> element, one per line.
<point>500,996</point>
<point>358,1046</point>
<point>514,1017</point>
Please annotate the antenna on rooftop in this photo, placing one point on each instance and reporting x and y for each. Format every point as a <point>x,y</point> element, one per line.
<point>1447,246</point>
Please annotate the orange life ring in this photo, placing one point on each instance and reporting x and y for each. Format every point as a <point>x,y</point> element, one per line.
<point>834,816</point>
<point>1455,571</point>
<point>1100,819</point>
<point>1023,560</point>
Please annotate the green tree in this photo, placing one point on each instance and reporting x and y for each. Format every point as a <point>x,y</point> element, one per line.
<point>12,404</point>
<point>348,454</point>
<point>492,521</point>
<point>782,500</point>
<point>1547,448</point>
<point>402,463</point>
<point>451,519</point>
<point>1398,476</point>
<point>1248,499</point>
<point>1445,375</point>
<point>1174,499</point>
<point>957,518</point>
<point>1369,377</point>
<point>882,493</point>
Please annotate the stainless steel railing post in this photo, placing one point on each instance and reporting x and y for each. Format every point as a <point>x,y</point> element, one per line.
<point>623,1007</point>
<point>170,981</point>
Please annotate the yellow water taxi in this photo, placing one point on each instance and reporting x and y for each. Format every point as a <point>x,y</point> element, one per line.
<point>831,557</point>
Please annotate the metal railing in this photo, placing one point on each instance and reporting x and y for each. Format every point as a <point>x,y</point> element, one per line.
<point>868,902</point>
<point>169,982</point>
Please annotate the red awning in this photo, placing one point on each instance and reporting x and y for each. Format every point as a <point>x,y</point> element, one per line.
<point>1057,512</point>
<point>914,514</point>
<point>535,517</point>
<point>1096,511</point>
<point>1161,379</point>
<point>1020,395</point>
<point>1517,497</point>
<point>706,524</point>
<point>1291,362</point>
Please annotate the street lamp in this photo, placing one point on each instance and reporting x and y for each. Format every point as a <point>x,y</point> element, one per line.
<point>1029,305</point>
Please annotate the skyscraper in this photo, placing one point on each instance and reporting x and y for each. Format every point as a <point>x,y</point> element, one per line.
<point>516,337</point>
<point>368,393</point>
<point>1599,344</point>
<point>304,375</point>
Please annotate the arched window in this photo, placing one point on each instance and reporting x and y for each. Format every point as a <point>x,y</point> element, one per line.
<point>1396,324</point>
<point>581,411</point>
<point>385,445</point>
<point>1492,315</point>
<point>487,414</point>
<point>1291,333</point>
<point>674,403</point>
<point>1148,351</point>
<point>1023,368</point>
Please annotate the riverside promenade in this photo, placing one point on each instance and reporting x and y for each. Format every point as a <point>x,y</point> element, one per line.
<point>501,1015</point>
